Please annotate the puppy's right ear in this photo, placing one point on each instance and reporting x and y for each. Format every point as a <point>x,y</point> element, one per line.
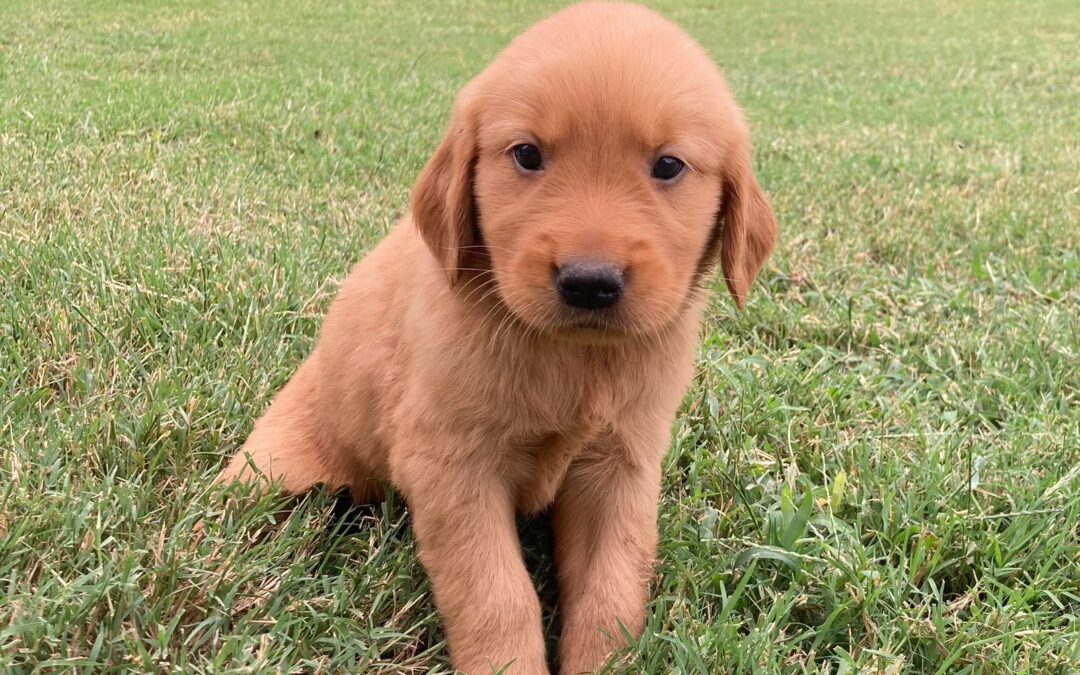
<point>442,200</point>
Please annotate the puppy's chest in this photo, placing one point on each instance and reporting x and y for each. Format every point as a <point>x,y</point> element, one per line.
<point>551,429</point>
<point>536,465</point>
<point>567,397</point>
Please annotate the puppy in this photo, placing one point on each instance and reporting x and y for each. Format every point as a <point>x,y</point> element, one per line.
<point>522,340</point>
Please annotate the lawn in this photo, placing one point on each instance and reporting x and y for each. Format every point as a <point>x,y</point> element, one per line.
<point>878,466</point>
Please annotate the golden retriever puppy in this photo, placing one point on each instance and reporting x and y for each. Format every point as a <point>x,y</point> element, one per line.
<point>522,340</point>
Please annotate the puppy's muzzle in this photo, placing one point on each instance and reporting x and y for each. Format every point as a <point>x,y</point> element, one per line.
<point>589,285</point>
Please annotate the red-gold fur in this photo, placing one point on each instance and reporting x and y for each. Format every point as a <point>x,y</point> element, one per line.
<point>448,367</point>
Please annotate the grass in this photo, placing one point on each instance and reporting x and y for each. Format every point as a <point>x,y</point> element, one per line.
<point>877,469</point>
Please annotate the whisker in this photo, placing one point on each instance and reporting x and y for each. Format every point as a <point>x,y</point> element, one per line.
<point>483,285</point>
<point>461,269</point>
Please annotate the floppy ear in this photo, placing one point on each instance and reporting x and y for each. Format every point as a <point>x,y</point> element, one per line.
<point>746,227</point>
<point>442,200</point>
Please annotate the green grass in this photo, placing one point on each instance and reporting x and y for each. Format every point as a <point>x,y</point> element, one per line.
<point>878,466</point>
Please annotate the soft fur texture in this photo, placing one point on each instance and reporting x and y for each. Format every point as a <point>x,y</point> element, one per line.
<point>449,367</point>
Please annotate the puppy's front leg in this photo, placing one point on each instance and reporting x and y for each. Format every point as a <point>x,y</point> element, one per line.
<point>605,543</point>
<point>467,535</point>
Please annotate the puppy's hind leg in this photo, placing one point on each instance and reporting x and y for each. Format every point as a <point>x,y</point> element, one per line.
<point>287,446</point>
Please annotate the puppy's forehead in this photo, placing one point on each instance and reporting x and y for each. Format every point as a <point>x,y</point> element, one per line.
<point>610,71</point>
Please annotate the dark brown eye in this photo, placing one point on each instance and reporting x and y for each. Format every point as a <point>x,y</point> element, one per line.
<point>527,157</point>
<point>667,168</point>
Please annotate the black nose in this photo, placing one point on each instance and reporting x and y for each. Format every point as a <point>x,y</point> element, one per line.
<point>589,285</point>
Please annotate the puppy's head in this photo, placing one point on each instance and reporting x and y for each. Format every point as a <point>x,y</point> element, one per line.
<point>598,169</point>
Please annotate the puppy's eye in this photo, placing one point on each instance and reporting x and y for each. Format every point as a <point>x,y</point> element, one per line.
<point>667,168</point>
<point>527,157</point>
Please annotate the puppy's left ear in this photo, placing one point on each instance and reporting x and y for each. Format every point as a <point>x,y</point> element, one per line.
<point>442,200</point>
<point>746,226</point>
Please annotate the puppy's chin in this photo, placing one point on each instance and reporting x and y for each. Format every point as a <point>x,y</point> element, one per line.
<point>589,333</point>
<point>574,327</point>
<point>591,337</point>
<point>602,329</point>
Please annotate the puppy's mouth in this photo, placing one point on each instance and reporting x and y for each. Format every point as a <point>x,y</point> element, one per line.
<point>589,322</point>
<point>602,326</point>
<point>542,313</point>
